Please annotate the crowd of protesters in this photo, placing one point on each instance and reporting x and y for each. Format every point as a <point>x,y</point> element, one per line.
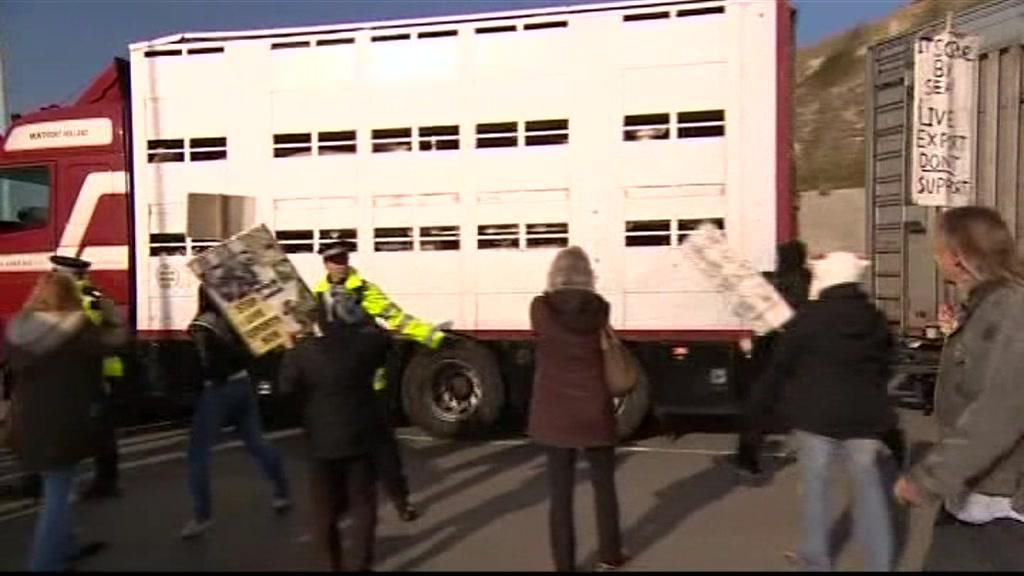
<point>824,374</point>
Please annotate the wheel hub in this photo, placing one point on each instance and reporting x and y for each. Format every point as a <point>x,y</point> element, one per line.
<point>456,391</point>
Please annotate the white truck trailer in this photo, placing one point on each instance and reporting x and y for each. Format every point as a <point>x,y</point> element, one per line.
<point>459,154</point>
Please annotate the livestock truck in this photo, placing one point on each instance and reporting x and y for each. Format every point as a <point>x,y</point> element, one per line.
<point>459,154</point>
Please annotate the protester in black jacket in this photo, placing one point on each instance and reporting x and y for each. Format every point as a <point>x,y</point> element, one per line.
<point>227,397</point>
<point>792,280</point>
<point>333,377</point>
<point>832,363</point>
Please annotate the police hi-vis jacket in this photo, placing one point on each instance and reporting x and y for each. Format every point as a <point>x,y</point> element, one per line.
<point>377,304</point>
<point>112,365</point>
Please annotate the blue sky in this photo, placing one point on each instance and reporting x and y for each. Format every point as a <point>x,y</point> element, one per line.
<point>52,48</point>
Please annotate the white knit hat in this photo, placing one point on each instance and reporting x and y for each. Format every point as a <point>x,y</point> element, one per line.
<point>835,268</point>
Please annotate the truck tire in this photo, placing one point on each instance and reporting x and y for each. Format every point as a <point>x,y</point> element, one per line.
<point>632,409</point>
<point>453,392</point>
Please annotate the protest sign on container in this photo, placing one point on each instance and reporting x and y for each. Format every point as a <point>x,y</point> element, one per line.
<point>945,109</point>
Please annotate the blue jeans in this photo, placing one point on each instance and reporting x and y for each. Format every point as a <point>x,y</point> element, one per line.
<point>873,524</point>
<point>53,544</point>
<point>233,401</point>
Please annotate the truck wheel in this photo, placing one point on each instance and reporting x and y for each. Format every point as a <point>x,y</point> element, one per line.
<point>632,409</point>
<point>453,391</point>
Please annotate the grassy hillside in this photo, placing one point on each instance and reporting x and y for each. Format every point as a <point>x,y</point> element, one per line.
<point>829,111</point>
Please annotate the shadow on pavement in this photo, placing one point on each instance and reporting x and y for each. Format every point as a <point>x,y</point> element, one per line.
<point>492,464</point>
<point>676,502</point>
<point>531,492</point>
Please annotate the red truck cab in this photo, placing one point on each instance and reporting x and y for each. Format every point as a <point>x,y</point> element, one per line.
<point>64,189</point>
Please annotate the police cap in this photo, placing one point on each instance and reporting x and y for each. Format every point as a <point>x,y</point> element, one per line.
<point>337,251</point>
<point>69,264</point>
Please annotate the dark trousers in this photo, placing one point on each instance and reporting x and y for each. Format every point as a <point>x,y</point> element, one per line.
<point>233,402</point>
<point>387,460</point>
<point>337,486</point>
<point>756,400</point>
<point>895,439</point>
<point>105,461</point>
<point>961,547</point>
<point>31,486</point>
<point>748,447</point>
<point>561,478</point>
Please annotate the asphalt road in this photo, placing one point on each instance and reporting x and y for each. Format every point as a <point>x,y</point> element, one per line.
<point>484,504</point>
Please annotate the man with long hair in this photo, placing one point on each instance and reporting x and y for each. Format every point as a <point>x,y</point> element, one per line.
<point>977,467</point>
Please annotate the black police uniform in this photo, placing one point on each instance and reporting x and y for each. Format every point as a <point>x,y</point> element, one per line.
<point>105,479</point>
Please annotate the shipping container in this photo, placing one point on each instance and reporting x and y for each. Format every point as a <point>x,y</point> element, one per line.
<point>904,280</point>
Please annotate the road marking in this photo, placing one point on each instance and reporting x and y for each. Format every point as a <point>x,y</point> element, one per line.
<point>152,437</point>
<point>7,457</point>
<point>159,459</point>
<point>694,451</point>
<point>152,460</point>
<point>122,451</point>
<point>624,448</point>
<point>180,455</point>
<point>14,506</point>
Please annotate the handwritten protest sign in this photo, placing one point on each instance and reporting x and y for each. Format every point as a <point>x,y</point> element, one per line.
<point>945,101</point>
<point>752,298</point>
<point>252,281</point>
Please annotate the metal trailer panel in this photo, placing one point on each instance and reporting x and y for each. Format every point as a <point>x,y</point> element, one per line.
<point>905,281</point>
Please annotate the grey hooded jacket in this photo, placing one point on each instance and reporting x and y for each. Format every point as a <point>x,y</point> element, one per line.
<point>979,401</point>
<point>55,361</point>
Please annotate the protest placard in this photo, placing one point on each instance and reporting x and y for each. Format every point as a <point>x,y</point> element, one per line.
<point>751,297</point>
<point>251,280</point>
<point>945,108</point>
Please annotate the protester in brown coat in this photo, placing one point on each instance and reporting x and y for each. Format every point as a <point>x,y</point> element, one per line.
<point>571,408</point>
<point>55,354</point>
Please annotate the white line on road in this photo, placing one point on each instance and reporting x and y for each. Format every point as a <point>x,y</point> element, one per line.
<point>180,455</point>
<point>153,460</point>
<point>625,448</point>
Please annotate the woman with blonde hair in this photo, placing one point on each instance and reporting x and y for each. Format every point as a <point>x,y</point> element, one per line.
<point>977,467</point>
<point>571,409</point>
<point>55,354</point>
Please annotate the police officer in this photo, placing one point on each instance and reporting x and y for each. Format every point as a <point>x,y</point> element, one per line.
<point>341,285</point>
<point>97,306</point>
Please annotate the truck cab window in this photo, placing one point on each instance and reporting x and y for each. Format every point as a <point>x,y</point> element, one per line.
<point>24,198</point>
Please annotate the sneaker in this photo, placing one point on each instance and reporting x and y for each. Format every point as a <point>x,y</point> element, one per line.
<point>195,529</point>
<point>612,566</point>
<point>281,505</point>
<point>407,512</point>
